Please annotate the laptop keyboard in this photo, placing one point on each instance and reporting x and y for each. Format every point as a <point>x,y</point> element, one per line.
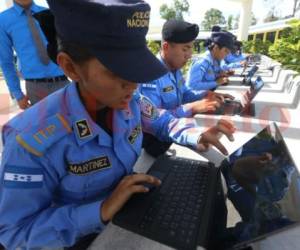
<point>177,208</point>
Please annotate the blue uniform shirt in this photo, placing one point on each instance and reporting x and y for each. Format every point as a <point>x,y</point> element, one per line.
<point>58,165</point>
<point>170,92</point>
<point>204,72</point>
<point>16,35</point>
<point>232,61</point>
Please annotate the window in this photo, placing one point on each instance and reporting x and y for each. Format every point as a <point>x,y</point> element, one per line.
<point>260,36</point>
<point>271,36</point>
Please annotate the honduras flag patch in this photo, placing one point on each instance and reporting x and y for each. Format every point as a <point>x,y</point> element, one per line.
<point>22,177</point>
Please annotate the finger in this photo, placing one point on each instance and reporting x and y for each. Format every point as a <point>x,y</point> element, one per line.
<point>221,98</point>
<point>225,130</point>
<point>137,189</point>
<point>229,96</point>
<point>200,148</point>
<point>215,142</point>
<point>211,108</point>
<point>228,124</point>
<point>138,178</point>
<point>214,103</point>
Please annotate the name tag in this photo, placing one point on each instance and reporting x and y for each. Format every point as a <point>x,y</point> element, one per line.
<point>168,89</point>
<point>90,166</point>
<point>134,134</point>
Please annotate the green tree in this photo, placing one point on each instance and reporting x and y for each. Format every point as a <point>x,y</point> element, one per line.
<point>237,20</point>
<point>213,17</point>
<point>230,22</point>
<point>175,11</point>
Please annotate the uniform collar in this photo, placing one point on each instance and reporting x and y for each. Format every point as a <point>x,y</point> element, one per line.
<point>34,8</point>
<point>80,118</point>
<point>171,75</point>
<point>209,57</point>
<point>127,114</point>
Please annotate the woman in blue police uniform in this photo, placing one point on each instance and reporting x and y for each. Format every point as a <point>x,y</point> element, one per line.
<point>235,59</point>
<point>67,161</point>
<point>206,72</point>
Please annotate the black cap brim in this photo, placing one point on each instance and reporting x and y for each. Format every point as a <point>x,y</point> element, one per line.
<point>136,65</point>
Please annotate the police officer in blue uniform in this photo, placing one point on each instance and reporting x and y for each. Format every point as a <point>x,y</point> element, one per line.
<point>170,91</point>
<point>235,59</point>
<point>67,164</point>
<point>206,72</point>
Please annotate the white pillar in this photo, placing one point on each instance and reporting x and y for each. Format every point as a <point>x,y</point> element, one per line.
<point>245,20</point>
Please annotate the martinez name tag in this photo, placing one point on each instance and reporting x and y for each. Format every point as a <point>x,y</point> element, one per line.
<point>89,166</point>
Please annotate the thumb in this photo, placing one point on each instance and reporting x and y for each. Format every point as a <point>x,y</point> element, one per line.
<point>202,147</point>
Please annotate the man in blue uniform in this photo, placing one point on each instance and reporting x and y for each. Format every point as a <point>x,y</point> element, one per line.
<point>206,72</point>
<point>67,164</point>
<point>19,32</point>
<point>170,91</point>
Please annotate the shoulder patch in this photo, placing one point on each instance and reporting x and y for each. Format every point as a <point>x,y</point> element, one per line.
<point>148,110</point>
<point>168,89</point>
<point>22,177</point>
<point>41,137</point>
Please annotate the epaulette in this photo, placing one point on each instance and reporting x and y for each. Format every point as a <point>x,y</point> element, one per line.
<point>37,139</point>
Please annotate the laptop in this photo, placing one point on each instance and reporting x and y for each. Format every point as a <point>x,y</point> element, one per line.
<point>249,75</point>
<point>182,211</point>
<point>243,106</point>
<point>244,78</point>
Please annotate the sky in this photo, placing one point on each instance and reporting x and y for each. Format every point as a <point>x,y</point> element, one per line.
<point>199,7</point>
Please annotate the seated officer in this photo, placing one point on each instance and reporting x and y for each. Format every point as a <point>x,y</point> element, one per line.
<point>235,59</point>
<point>206,73</point>
<point>170,91</point>
<point>67,164</point>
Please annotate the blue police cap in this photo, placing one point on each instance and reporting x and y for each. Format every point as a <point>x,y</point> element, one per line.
<point>223,39</point>
<point>178,31</point>
<point>113,31</point>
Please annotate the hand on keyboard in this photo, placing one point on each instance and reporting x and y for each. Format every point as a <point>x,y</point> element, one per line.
<point>128,186</point>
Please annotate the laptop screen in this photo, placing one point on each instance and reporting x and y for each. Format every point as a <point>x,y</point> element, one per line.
<point>263,187</point>
<point>249,95</point>
<point>252,71</point>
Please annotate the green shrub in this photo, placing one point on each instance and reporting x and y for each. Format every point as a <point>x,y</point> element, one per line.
<point>257,47</point>
<point>153,46</point>
<point>287,49</point>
